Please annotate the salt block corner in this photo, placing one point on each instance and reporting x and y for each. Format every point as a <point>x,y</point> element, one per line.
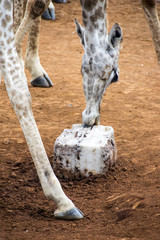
<point>83,151</point>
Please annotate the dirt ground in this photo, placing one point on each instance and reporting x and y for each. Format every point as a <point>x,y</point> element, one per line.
<point>126,203</point>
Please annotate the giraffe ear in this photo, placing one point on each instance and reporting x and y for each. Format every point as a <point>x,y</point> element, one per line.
<point>115,35</point>
<point>80,31</point>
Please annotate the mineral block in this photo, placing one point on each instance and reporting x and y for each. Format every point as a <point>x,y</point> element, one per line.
<point>85,151</point>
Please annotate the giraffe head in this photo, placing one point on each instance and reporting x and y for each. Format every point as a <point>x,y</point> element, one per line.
<point>100,60</point>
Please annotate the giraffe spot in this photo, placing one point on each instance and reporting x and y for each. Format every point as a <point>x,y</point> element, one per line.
<point>10,27</point>
<point>96,25</point>
<point>90,4</point>
<point>97,15</point>
<point>1,43</point>
<point>102,27</point>
<point>17,68</point>
<point>9,51</point>
<point>8,18</point>
<point>84,14</point>
<point>4,23</point>
<point>2,61</point>
<point>7,5</point>
<point>9,40</point>
<point>90,89</point>
<point>93,49</point>
<point>90,61</point>
<point>4,34</point>
<point>89,81</point>
<point>86,70</point>
<point>12,71</point>
<point>91,28</point>
<point>13,92</point>
<point>46,173</point>
<point>15,77</point>
<point>3,66</point>
<point>11,58</point>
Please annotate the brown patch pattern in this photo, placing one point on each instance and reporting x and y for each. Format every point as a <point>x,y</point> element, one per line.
<point>97,15</point>
<point>89,4</point>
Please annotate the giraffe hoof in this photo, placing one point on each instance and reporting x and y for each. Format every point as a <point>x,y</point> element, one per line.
<point>73,214</point>
<point>42,81</point>
<point>49,14</point>
<point>59,1</point>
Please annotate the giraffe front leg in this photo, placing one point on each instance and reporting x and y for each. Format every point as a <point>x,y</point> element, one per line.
<point>20,98</point>
<point>39,76</point>
<point>31,22</point>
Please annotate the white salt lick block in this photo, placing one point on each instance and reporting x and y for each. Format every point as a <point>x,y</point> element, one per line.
<point>85,151</point>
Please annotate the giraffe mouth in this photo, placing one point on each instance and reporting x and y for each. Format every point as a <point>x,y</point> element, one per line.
<point>92,123</point>
<point>89,126</point>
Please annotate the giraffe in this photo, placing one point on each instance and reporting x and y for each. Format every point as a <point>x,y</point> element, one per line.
<point>99,70</point>
<point>101,52</point>
<point>27,17</point>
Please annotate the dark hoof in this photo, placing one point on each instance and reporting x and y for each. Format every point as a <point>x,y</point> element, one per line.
<point>59,1</point>
<point>73,214</point>
<point>49,14</point>
<point>43,81</point>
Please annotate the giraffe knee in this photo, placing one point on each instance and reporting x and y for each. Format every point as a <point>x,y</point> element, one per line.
<point>21,102</point>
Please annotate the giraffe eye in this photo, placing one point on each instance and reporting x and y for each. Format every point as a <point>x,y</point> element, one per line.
<point>115,76</point>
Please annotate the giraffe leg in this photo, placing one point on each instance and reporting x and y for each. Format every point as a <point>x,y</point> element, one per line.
<point>31,20</point>
<point>150,10</point>
<point>32,63</point>
<point>20,98</point>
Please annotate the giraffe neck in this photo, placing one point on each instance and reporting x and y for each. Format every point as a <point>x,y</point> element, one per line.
<point>94,20</point>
